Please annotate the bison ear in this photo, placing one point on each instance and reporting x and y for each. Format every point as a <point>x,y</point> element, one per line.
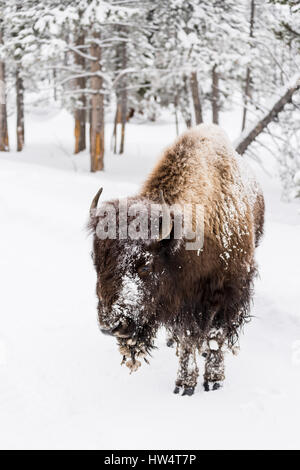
<point>165,227</point>
<point>168,241</point>
<point>174,240</point>
<point>166,221</point>
<point>167,234</point>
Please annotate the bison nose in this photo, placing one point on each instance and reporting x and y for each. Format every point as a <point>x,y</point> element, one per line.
<point>123,330</point>
<point>106,331</point>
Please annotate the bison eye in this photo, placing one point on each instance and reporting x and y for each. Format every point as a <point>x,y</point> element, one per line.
<point>144,270</point>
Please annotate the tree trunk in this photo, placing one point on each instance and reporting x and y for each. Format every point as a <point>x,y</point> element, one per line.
<point>248,136</point>
<point>176,113</point>
<point>54,85</point>
<point>97,103</point>
<point>215,95</point>
<point>90,120</point>
<point>196,98</point>
<point>20,111</point>
<point>116,122</point>
<point>188,121</point>
<point>4,146</point>
<point>185,107</point>
<point>80,112</point>
<point>248,74</point>
<point>123,99</point>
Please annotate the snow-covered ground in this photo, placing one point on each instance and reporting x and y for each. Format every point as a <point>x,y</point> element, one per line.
<point>61,384</point>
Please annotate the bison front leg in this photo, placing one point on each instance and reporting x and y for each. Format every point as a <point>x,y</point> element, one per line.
<point>188,370</point>
<point>214,361</point>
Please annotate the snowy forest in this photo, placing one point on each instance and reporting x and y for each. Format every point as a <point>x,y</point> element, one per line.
<point>129,59</point>
<point>91,94</point>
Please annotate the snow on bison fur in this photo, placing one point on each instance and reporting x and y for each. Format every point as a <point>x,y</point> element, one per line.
<point>201,297</point>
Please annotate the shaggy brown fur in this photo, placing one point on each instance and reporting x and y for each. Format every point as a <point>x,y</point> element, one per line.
<point>196,296</point>
<point>202,167</point>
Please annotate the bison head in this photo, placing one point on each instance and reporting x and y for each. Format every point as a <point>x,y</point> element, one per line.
<point>134,272</point>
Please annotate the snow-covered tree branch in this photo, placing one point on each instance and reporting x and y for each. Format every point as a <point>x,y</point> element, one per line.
<point>285,96</point>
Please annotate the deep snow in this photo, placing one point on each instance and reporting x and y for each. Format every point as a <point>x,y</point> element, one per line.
<point>61,383</point>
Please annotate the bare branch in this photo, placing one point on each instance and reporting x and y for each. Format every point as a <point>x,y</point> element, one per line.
<point>250,134</point>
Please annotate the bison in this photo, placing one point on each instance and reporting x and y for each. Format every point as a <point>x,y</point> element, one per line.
<point>201,296</point>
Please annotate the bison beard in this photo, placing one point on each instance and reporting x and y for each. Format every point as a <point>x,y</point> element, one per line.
<point>201,298</point>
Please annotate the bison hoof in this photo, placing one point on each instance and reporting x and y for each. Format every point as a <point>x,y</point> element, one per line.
<point>188,391</point>
<point>177,390</point>
<point>208,386</point>
<point>216,385</point>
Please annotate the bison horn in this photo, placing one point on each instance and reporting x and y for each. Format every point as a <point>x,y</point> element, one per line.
<point>95,202</point>
<point>167,223</point>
